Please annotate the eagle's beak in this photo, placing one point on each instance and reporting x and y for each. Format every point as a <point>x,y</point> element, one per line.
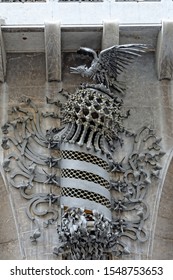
<point>74,70</point>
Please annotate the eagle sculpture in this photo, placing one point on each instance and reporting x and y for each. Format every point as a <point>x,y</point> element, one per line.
<point>106,66</point>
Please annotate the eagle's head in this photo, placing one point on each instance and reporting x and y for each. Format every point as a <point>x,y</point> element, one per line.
<point>78,70</point>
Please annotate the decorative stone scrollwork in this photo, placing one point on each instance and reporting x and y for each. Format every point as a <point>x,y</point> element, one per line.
<point>27,166</point>
<point>102,200</point>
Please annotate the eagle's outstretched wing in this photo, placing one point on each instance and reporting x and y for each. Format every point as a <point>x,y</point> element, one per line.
<point>106,67</point>
<point>115,59</point>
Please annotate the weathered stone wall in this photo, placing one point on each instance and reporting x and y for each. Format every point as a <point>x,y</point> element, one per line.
<point>162,247</point>
<point>150,102</point>
<point>9,242</point>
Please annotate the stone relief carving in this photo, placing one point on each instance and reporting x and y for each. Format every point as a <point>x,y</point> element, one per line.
<point>99,200</point>
<point>106,67</point>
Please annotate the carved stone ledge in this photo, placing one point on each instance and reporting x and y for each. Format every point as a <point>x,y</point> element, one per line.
<point>110,35</point>
<point>2,58</point>
<point>164,53</point>
<point>53,51</point>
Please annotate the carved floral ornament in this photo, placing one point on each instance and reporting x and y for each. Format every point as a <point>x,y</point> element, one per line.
<point>100,201</point>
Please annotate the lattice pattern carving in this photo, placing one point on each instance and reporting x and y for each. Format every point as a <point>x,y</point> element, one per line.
<point>75,155</point>
<point>84,175</point>
<point>84,194</point>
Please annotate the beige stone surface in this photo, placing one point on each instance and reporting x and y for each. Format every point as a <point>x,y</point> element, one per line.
<point>2,58</point>
<point>163,241</point>
<point>53,51</point>
<point>9,242</point>
<point>164,55</point>
<point>110,36</point>
<point>10,251</point>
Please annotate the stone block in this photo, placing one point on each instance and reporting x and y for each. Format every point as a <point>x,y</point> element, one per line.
<point>26,70</point>
<point>110,35</point>
<point>2,58</point>
<point>7,225</point>
<point>164,228</point>
<point>53,51</point>
<point>163,249</point>
<point>164,54</point>
<point>10,251</point>
<point>8,230</point>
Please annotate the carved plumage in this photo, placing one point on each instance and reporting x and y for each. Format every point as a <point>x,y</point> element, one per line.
<point>106,67</point>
